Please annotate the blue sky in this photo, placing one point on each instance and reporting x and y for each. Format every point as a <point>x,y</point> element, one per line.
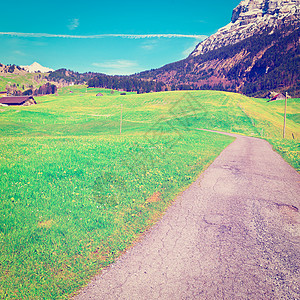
<point>115,37</point>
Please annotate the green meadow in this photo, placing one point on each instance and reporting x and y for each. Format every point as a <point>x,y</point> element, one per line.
<point>75,193</point>
<point>22,80</point>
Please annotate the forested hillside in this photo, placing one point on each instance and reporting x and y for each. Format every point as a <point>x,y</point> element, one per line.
<point>254,66</point>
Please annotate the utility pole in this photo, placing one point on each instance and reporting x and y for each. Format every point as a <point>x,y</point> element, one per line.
<point>121,119</point>
<point>284,122</point>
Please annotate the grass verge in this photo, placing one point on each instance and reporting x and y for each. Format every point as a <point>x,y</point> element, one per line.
<point>71,205</point>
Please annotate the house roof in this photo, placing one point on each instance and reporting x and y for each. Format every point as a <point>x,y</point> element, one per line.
<point>14,99</point>
<point>278,95</point>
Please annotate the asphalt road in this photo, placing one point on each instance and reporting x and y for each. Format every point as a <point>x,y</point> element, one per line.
<point>233,234</point>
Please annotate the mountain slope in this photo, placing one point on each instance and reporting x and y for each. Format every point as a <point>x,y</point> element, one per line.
<point>16,80</point>
<point>257,52</point>
<point>11,69</point>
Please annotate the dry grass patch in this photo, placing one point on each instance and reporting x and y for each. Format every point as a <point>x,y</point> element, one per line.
<point>155,197</point>
<point>46,224</point>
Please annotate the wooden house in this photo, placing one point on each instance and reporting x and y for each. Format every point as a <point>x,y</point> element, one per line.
<point>18,100</point>
<point>277,97</point>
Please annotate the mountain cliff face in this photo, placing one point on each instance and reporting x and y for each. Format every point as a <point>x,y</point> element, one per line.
<point>249,18</point>
<point>258,51</point>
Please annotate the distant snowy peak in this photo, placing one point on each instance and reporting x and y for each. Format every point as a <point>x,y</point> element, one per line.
<point>251,17</point>
<point>36,67</point>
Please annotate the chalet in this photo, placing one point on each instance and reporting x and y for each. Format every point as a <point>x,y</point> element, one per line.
<point>99,95</point>
<point>18,100</point>
<point>275,97</point>
<point>278,97</point>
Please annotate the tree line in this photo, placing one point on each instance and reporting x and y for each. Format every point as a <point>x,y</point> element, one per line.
<point>100,80</point>
<point>44,89</point>
<point>126,83</point>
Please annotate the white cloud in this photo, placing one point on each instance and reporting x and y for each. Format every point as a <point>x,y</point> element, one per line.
<point>98,36</point>
<point>149,45</point>
<point>18,52</point>
<point>117,67</point>
<point>74,23</point>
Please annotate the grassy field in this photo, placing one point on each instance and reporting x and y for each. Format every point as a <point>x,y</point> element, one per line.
<point>21,80</point>
<point>76,193</point>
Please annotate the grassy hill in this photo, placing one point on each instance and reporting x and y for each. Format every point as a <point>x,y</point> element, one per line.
<point>76,192</point>
<point>25,80</point>
<point>208,109</point>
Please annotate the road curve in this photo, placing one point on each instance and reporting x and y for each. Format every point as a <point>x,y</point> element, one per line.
<point>233,234</point>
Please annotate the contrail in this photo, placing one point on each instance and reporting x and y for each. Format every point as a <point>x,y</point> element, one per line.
<point>99,36</point>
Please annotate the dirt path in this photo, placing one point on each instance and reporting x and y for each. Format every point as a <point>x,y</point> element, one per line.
<point>233,234</point>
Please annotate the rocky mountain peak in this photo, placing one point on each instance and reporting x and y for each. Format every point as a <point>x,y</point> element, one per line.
<point>252,17</point>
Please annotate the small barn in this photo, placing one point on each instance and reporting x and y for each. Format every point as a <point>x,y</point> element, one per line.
<point>277,97</point>
<point>18,100</point>
<point>99,95</point>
